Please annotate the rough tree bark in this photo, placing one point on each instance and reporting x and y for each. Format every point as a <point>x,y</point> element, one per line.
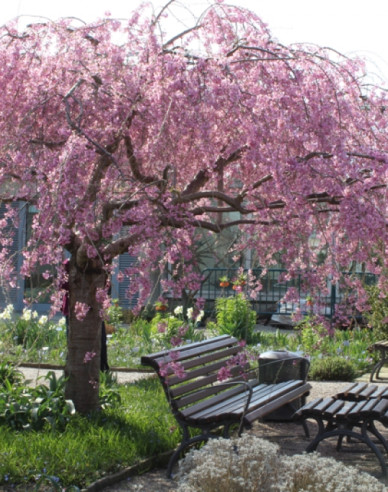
<point>84,342</point>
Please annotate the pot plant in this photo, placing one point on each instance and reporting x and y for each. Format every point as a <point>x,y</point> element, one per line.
<point>161,305</point>
<point>224,281</point>
<point>239,282</point>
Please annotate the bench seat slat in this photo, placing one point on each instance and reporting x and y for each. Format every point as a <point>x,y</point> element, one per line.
<point>368,392</point>
<point>235,404</point>
<point>352,391</point>
<point>332,409</point>
<point>343,412</point>
<point>261,395</point>
<point>266,409</point>
<point>319,407</point>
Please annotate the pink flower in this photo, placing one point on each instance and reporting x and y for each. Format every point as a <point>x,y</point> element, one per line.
<point>178,369</point>
<point>89,356</point>
<point>81,310</point>
<point>162,327</point>
<point>224,373</point>
<point>174,355</point>
<point>175,341</point>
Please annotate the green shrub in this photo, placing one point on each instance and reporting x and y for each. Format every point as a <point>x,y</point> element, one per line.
<point>235,317</point>
<point>332,369</point>
<point>115,313</point>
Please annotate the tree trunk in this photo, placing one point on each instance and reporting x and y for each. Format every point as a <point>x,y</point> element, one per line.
<point>84,339</point>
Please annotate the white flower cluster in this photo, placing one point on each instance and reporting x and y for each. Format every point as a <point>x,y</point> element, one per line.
<point>251,464</point>
<point>7,313</point>
<point>190,311</point>
<point>178,310</point>
<point>28,315</point>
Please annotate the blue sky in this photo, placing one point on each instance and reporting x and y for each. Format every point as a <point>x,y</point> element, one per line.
<point>354,27</point>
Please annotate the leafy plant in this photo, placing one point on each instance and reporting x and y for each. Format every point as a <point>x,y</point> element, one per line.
<point>109,392</point>
<point>115,314</point>
<point>377,316</point>
<point>172,330</point>
<point>332,369</point>
<point>235,317</point>
<point>8,372</point>
<point>314,335</point>
<point>24,408</point>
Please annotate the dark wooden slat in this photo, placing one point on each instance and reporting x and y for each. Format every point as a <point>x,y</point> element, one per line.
<point>279,402</point>
<point>200,383</point>
<point>352,391</point>
<point>260,396</point>
<point>199,372</point>
<point>189,346</point>
<point>237,404</point>
<point>197,396</point>
<point>355,411</point>
<point>308,406</point>
<point>220,359</point>
<point>189,351</point>
<point>348,406</point>
<point>216,401</point>
<point>368,391</point>
<point>380,392</point>
<point>320,406</point>
<point>330,411</point>
<point>204,359</point>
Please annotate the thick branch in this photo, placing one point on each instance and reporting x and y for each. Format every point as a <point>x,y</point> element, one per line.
<point>111,207</point>
<point>121,246</point>
<point>49,145</point>
<point>235,203</point>
<point>135,165</point>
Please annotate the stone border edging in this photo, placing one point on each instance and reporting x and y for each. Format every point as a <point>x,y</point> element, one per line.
<point>138,469</point>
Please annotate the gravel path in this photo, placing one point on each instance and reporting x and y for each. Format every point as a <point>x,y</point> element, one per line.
<point>35,375</point>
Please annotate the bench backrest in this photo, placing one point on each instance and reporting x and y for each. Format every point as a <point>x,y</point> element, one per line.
<point>201,363</point>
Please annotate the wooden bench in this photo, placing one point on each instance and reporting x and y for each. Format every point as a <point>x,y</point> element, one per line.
<point>198,400</point>
<point>382,348</point>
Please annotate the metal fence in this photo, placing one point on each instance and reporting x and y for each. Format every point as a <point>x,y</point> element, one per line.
<point>269,300</point>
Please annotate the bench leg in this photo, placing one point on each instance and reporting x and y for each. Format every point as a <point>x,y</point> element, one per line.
<point>184,444</point>
<point>375,374</point>
<point>203,437</point>
<point>341,432</point>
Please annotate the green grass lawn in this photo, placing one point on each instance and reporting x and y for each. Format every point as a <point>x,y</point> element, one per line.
<point>140,427</point>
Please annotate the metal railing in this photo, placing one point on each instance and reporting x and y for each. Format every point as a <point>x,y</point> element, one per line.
<point>269,300</point>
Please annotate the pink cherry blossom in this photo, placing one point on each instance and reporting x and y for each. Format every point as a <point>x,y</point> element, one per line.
<point>154,144</point>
